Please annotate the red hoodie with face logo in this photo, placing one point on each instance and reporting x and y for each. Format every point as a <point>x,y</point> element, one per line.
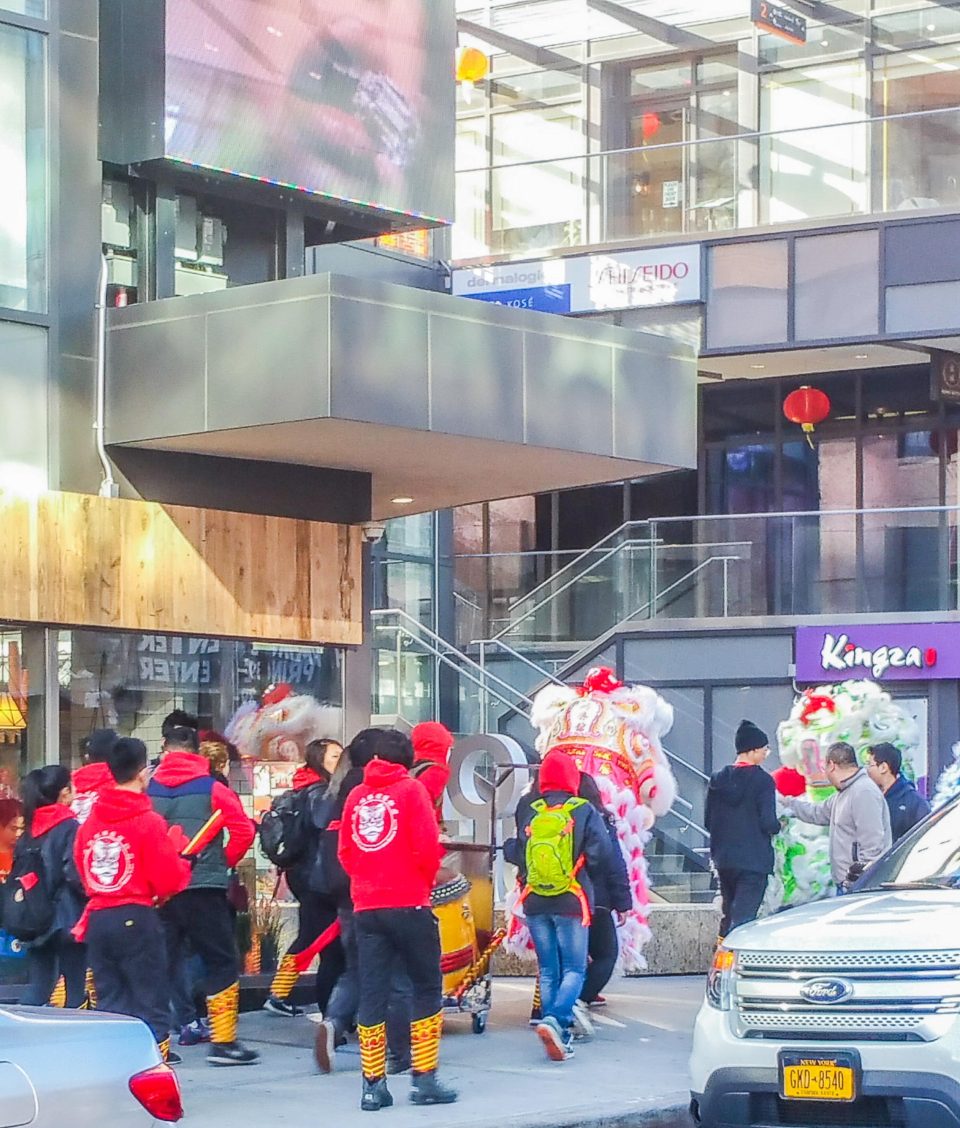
<point>389,840</point>
<point>88,783</point>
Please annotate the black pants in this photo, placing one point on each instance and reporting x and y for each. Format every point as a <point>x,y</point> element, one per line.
<point>128,957</point>
<point>342,1009</point>
<point>202,917</point>
<point>315,916</point>
<point>392,939</point>
<point>741,893</point>
<point>47,962</point>
<point>604,949</point>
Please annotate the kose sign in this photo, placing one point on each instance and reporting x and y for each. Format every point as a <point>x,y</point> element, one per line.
<point>902,652</point>
<point>586,283</point>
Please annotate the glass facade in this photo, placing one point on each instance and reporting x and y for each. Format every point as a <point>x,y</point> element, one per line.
<point>610,135</point>
<point>23,159</point>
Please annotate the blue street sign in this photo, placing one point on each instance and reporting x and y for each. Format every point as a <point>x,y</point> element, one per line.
<point>545,299</point>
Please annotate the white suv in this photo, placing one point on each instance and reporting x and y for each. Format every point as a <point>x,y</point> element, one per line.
<point>843,1012</point>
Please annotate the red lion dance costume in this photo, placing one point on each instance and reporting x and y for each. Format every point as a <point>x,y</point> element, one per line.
<point>613,733</point>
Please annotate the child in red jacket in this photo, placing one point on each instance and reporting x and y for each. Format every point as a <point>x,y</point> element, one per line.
<point>390,847</point>
<point>431,759</point>
<point>94,776</point>
<point>129,861</point>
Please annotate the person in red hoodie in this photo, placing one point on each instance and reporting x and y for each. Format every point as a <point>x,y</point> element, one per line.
<point>317,910</point>
<point>185,794</point>
<point>431,759</point>
<point>390,847</point>
<point>94,776</point>
<point>130,863</point>
<point>50,828</point>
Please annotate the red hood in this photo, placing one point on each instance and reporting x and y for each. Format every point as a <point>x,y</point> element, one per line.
<point>431,741</point>
<point>305,776</point>
<point>94,777</point>
<point>559,772</point>
<point>46,818</point>
<point>381,773</point>
<point>177,768</point>
<point>116,806</point>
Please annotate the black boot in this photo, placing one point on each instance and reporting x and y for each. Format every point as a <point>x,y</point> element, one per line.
<point>397,1064</point>
<point>376,1095</point>
<point>427,1090</point>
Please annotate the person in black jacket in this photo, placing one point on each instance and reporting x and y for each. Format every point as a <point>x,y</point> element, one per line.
<point>559,924</point>
<point>741,816</point>
<point>905,804</point>
<point>51,824</point>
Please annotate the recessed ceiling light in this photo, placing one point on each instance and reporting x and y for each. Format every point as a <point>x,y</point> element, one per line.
<point>931,27</point>
<point>401,500</point>
<point>861,356</point>
<point>758,366</point>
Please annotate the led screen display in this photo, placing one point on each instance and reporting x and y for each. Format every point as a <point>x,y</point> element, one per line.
<point>349,100</point>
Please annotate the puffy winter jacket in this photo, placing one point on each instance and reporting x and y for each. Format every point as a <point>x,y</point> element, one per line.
<point>54,828</point>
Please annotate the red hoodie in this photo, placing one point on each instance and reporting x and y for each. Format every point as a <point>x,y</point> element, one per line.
<point>431,752</point>
<point>127,855</point>
<point>389,840</point>
<point>46,818</point>
<point>178,768</point>
<point>305,776</point>
<point>88,783</point>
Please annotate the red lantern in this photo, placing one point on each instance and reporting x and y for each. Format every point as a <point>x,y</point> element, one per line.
<point>649,125</point>
<point>808,407</point>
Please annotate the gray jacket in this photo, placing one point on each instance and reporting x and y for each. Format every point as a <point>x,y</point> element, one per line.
<point>858,819</point>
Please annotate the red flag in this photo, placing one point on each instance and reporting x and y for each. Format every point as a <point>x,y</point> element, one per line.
<point>205,835</point>
<point>305,958</point>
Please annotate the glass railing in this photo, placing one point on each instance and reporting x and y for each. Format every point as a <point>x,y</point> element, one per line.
<point>831,562</point>
<point>857,166</point>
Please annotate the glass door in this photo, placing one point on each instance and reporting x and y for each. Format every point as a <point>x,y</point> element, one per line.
<point>657,174</point>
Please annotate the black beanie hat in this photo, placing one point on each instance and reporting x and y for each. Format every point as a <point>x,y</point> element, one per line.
<point>749,737</point>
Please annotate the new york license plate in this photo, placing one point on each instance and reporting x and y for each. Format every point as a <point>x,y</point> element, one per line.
<point>817,1077</point>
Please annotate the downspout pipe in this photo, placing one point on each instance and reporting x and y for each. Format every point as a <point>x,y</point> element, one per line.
<point>108,487</point>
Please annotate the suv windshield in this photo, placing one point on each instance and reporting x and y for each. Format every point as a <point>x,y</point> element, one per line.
<point>929,856</point>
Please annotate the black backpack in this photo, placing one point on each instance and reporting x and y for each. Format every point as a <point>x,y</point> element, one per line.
<point>26,904</point>
<point>286,830</point>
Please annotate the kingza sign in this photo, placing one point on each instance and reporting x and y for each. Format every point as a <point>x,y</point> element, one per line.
<point>894,652</point>
<point>587,283</point>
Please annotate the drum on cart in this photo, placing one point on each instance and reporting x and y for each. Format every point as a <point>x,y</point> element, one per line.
<point>458,931</point>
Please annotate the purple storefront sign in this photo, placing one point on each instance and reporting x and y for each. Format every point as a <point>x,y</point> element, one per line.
<point>882,652</point>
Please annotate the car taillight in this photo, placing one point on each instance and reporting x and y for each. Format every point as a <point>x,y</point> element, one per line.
<point>158,1090</point>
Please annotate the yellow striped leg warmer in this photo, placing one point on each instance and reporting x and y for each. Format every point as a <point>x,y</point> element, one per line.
<point>425,1043</point>
<point>59,996</point>
<point>90,989</point>
<point>373,1051</point>
<point>537,1000</point>
<point>286,978</point>
<point>164,1048</point>
<point>222,1011</point>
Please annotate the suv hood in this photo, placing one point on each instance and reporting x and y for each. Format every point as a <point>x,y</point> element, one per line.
<point>894,921</point>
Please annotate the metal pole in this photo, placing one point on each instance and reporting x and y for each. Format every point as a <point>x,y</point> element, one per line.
<point>726,564</point>
<point>483,695</point>
<point>652,605</point>
<point>108,487</point>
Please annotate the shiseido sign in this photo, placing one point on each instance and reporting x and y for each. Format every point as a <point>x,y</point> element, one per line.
<point>882,652</point>
<point>586,283</point>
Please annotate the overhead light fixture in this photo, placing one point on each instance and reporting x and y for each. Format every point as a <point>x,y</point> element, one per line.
<point>931,27</point>
<point>758,366</point>
<point>11,718</point>
<point>861,356</point>
<point>401,500</point>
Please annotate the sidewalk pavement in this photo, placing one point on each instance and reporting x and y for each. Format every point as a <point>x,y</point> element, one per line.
<point>634,1071</point>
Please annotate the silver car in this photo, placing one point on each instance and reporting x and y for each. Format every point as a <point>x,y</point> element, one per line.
<point>83,1069</point>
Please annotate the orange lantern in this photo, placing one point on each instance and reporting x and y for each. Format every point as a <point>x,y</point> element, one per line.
<point>649,125</point>
<point>808,407</point>
<point>472,65</point>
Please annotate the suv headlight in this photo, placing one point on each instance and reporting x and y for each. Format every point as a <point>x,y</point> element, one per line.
<point>720,978</point>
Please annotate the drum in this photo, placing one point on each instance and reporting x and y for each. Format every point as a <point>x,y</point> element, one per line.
<point>458,932</point>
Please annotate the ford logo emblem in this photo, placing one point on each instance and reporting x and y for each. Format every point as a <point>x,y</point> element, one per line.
<point>824,992</point>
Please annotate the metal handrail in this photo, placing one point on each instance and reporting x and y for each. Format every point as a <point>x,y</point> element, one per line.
<point>545,674</point>
<point>702,830</point>
<point>651,604</point>
<point>750,135</point>
<point>441,647</point>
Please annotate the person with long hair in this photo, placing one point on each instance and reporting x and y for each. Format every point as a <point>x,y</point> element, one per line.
<point>317,909</point>
<point>51,825</point>
<point>11,827</point>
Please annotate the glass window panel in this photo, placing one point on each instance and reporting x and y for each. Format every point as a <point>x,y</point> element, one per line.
<point>916,28</point>
<point>35,8</point>
<point>766,705</point>
<point>821,171</point>
<point>23,160</point>
<point>541,86</point>
<point>411,535</point>
<point>410,588</point>
<point>831,39</point>
<point>23,392</point>
<point>747,295</point>
<point>837,281</point>
<point>663,76</point>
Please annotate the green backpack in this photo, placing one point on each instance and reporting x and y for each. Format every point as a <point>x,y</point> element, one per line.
<point>551,866</point>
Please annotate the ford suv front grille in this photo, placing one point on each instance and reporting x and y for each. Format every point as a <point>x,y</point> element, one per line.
<point>886,996</point>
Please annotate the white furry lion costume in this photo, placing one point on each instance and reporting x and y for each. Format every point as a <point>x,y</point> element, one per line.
<point>281,726</point>
<point>613,733</point>
<point>859,713</point>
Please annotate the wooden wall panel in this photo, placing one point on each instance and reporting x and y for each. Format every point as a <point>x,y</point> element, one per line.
<point>86,561</point>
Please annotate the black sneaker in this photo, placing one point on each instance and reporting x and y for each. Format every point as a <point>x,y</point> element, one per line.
<point>231,1053</point>
<point>273,1005</point>
<point>376,1095</point>
<point>173,1058</point>
<point>427,1090</point>
<point>397,1065</point>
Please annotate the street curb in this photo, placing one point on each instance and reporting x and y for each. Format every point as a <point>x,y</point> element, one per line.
<point>675,1116</point>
